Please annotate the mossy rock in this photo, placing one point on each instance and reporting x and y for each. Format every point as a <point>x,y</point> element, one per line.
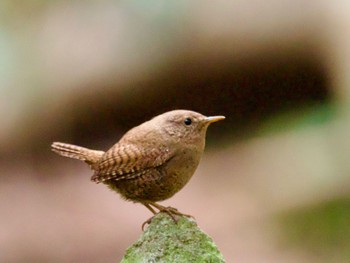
<point>167,241</point>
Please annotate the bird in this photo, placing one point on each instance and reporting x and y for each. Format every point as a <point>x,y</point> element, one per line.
<point>152,161</point>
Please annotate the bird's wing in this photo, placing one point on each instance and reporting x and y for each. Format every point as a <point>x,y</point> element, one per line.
<point>127,161</point>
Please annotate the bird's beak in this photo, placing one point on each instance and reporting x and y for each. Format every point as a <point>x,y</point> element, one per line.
<point>212,119</point>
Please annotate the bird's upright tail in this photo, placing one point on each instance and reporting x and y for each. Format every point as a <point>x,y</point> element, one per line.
<point>76,152</point>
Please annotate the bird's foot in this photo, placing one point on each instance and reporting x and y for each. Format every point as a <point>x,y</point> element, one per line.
<point>171,211</point>
<point>147,222</point>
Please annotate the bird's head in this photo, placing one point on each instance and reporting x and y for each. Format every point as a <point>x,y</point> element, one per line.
<point>187,126</point>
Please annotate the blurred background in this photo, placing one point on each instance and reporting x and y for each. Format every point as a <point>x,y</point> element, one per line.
<point>273,184</point>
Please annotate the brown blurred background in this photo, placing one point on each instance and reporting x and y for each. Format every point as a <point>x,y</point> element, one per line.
<point>273,185</point>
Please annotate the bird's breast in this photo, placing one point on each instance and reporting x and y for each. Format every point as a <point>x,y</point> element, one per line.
<point>182,166</point>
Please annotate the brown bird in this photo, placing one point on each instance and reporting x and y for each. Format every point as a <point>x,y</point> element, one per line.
<point>152,161</point>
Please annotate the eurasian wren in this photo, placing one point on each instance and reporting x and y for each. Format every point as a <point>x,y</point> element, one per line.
<point>152,161</point>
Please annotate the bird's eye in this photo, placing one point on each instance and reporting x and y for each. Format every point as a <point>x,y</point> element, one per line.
<point>188,121</point>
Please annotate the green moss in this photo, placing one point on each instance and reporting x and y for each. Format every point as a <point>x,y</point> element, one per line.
<point>165,241</point>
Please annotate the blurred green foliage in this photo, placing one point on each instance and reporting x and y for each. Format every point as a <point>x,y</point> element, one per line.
<point>322,229</point>
<point>299,118</point>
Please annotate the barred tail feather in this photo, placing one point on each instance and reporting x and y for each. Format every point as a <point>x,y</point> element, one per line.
<point>77,152</point>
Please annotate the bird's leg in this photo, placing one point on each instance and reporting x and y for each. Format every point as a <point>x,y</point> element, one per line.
<point>150,208</point>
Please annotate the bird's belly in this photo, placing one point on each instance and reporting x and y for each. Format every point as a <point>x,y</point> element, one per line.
<point>156,184</point>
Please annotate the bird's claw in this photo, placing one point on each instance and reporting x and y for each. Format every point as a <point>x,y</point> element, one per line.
<point>171,211</point>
